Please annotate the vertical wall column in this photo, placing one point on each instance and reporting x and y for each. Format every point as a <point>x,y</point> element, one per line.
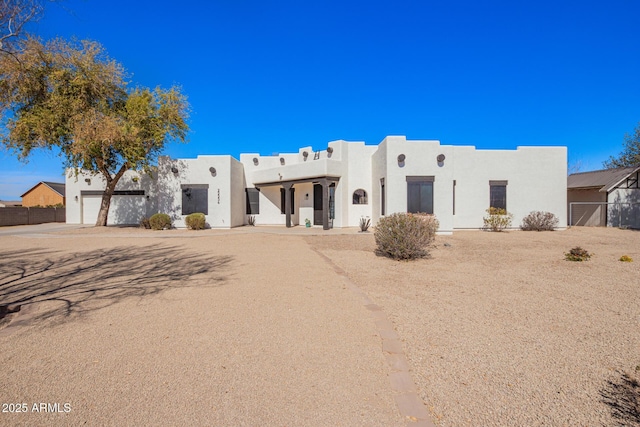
<point>287,202</point>
<point>325,203</point>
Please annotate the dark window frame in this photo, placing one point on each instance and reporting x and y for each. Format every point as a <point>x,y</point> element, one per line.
<point>382,198</point>
<point>252,201</point>
<point>193,202</point>
<point>498,194</point>
<point>361,198</point>
<point>417,182</point>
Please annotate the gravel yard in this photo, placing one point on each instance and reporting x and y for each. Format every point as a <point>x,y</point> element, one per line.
<point>252,326</point>
<point>500,330</point>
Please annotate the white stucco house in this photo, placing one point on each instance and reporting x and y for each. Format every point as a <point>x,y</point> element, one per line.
<point>337,185</point>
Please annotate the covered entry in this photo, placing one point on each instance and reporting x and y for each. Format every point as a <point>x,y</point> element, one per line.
<point>318,203</point>
<point>323,197</point>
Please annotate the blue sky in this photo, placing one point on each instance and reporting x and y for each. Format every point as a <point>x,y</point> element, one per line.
<point>273,76</point>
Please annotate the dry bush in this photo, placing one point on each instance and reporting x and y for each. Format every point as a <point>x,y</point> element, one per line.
<point>539,221</point>
<point>497,219</point>
<point>404,235</point>
<point>577,254</point>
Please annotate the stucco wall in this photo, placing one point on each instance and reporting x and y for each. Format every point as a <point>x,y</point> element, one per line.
<point>536,179</point>
<point>84,182</point>
<point>378,172</point>
<point>536,182</point>
<point>197,172</point>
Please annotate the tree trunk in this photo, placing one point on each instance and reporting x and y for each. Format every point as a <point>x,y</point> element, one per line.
<point>108,193</point>
<point>106,202</point>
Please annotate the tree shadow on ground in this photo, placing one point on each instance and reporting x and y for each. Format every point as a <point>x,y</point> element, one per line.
<point>72,284</point>
<point>622,395</point>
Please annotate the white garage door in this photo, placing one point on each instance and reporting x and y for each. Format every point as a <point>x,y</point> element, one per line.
<point>90,209</point>
<point>124,209</point>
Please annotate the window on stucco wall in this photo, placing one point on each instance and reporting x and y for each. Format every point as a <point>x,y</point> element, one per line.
<point>359,197</point>
<point>195,199</point>
<point>253,201</point>
<point>498,194</point>
<point>420,194</point>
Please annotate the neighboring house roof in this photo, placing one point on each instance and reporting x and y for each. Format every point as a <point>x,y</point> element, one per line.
<point>606,180</point>
<point>9,203</point>
<point>58,187</point>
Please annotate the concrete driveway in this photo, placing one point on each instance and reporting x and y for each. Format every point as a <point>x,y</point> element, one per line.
<point>50,227</point>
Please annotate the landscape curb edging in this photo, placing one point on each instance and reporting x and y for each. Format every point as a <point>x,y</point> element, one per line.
<point>409,404</point>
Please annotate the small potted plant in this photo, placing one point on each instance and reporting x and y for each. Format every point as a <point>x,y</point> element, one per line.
<point>307,223</point>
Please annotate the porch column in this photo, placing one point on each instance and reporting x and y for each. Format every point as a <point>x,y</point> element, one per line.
<point>287,202</point>
<point>325,204</point>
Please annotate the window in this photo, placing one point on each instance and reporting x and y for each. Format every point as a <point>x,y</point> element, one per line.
<point>253,201</point>
<point>498,194</point>
<point>382,197</point>
<point>292,192</point>
<point>420,194</point>
<point>360,197</point>
<point>195,198</point>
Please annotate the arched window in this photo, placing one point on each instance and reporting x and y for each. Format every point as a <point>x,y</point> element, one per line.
<point>359,197</point>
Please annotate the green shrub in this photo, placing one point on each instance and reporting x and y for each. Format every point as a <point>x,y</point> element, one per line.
<point>195,221</point>
<point>539,221</point>
<point>626,258</point>
<point>577,254</point>
<point>144,223</point>
<point>160,221</point>
<point>497,219</point>
<point>405,236</point>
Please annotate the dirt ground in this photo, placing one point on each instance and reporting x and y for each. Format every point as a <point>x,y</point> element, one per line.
<point>254,327</point>
<point>500,330</point>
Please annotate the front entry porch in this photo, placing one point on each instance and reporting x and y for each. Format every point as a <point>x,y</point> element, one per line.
<point>323,198</point>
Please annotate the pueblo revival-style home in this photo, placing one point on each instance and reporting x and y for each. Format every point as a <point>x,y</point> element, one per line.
<point>336,186</point>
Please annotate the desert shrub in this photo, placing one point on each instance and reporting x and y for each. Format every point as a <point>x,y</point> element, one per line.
<point>365,223</point>
<point>405,236</point>
<point>144,223</point>
<point>497,219</point>
<point>539,221</point>
<point>626,258</point>
<point>160,221</point>
<point>195,221</point>
<point>577,254</point>
<point>251,220</point>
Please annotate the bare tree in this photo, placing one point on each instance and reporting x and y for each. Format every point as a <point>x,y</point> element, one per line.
<point>14,15</point>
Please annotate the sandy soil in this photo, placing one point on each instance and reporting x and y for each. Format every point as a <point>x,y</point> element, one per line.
<point>253,327</point>
<point>500,330</point>
<point>196,329</point>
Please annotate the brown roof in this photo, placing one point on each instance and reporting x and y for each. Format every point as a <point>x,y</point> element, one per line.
<point>58,187</point>
<point>606,180</point>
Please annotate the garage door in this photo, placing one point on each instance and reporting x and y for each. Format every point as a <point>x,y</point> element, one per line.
<point>124,209</point>
<point>90,209</point>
